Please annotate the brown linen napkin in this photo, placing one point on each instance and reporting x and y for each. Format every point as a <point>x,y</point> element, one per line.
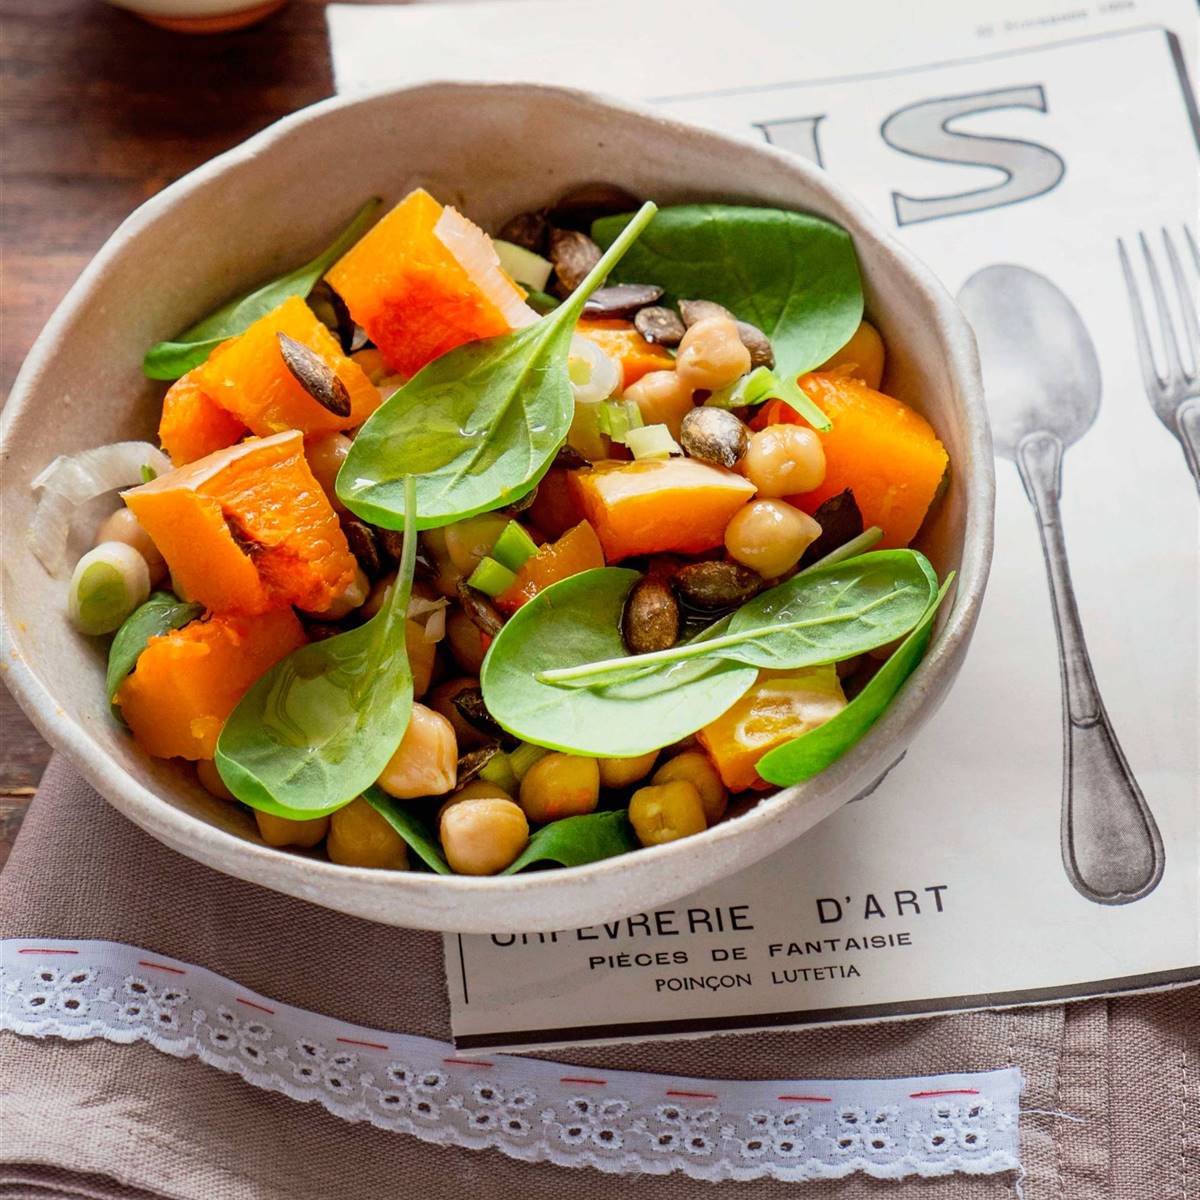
<point>107,1122</point>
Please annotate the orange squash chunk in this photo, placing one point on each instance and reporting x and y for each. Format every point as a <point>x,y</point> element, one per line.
<point>415,295</point>
<point>248,528</point>
<point>193,424</point>
<point>248,377</point>
<point>881,449</point>
<point>779,707</point>
<point>652,506</point>
<point>621,341</point>
<point>188,681</point>
<point>577,550</point>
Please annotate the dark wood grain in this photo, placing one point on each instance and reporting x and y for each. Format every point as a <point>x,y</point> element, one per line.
<point>98,111</point>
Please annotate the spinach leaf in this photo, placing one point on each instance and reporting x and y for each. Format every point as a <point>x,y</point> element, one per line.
<point>822,615</point>
<point>160,614</point>
<point>793,275</point>
<point>170,360</point>
<point>574,841</point>
<point>480,425</point>
<point>410,827</point>
<point>812,752</point>
<point>578,620</point>
<point>319,727</point>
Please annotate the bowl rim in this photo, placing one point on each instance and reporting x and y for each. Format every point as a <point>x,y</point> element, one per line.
<point>254,861</point>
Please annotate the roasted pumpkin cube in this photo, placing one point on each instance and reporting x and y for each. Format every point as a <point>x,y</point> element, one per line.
<point>193,424</point>
<point>622,342</point>
<point>577,550</point>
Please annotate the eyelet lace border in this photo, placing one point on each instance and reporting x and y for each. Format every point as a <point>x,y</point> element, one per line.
<point>622,1122</point>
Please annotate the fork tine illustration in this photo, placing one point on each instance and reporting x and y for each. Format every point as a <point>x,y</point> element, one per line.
<point>1187,308</point>
<point>1141,331</point>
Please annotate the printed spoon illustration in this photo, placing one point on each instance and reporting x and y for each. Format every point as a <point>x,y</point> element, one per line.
<point>1042,382</point>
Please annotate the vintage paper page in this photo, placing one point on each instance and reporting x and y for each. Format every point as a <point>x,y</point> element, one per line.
<point>1005,139</point>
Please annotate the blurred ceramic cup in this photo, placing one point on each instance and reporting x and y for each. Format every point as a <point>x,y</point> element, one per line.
<point>200,16</point>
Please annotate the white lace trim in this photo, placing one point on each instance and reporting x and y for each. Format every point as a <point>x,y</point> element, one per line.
<point>615,1121</point>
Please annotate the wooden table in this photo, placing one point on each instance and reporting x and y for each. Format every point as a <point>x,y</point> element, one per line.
<point>99,112</point>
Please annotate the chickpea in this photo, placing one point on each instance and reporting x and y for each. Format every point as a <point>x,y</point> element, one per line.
<point>469,540</point>
<point>477,789</point>
<point>865,352</point>
<point>483,835</point>
<point>361,837</point>
<point>665,812</point>
<point>377,596</point>
<point>441,700</point>
<point>560,785</point>
<point>448,575</point>
<point>354,596</point>
<point>783,460</point>
<point>695,767</point>
<point>769,536</point>
<point>371,361</point>
<point>123,526</point>
<point>426,761</point>
<point>711,354</point>
<point>325,454</point>
<point>465,641</point>
<point>422,657</point>
<point>621,772</point>
<point>663,398</point>
<point>211,781</point>
<point>279,831</point>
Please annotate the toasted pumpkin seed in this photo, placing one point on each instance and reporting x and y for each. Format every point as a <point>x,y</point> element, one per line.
<point>714,435</point>
<point>700,310</point>
<point>621,300</point>
<point>529,230</point>
<point>651,617</point>
<point>578,207</point>
<point>570,458</point>
<point>314,375</point>
<point>716,585</point>
<point>365,546</point>
<point>471,763</point>
<point>840,520</point>
<point>483,614</point>
<point>470,705</point>
<point>660,325</point>
<point>573,254</point>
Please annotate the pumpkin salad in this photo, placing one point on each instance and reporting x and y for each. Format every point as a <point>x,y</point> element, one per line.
<point>473,554</point>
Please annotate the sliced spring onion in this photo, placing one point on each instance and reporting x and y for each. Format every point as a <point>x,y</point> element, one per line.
<point>652,441</point>
<point>513,546</point>
<point>759,385</point>
<point>523,757</point>
<point>541,302</point>
<point>108,583</point>
<point>528,269</point>
<point>616,418</point>
<point>594,375</point>
<point>490,577</point>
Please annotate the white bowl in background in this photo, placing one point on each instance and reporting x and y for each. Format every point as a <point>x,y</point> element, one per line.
<point>492,150</point>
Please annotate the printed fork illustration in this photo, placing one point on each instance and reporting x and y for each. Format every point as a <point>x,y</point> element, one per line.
<point>1174,397</point>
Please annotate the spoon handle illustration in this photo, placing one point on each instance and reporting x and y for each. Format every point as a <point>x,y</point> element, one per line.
<point>1112,849</point>
<point>1187,421</point>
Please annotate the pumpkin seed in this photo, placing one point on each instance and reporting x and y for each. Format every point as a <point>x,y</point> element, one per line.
<point>314,375</point>
<point>578,207</point>
<point>753,338</point>
<point>573,254</point>
<point>716,585</point>
<point>483,614</point>
<point>700,310</point>
<point>318,631</point>
<point>840,520</point>
<point>621,300</point>
<point>365,546</point>
<point>331,311</point>
<point>529,230</point>
<point>471,763</point>
<point>713,435</point>
<point>661,325</point>
<point>570,458</point>
<point>651,618</point>
<point>471,707</point>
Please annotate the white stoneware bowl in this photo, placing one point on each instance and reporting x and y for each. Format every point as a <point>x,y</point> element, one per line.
<point>492,150</point>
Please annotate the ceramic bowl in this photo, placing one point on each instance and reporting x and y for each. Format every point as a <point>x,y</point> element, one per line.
<point>492,150</point>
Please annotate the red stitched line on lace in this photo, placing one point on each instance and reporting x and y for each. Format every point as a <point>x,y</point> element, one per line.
<point>814,1099</point>
<point>39,950</point>
<point>466,1062</point>
<point>947,1092</point>
<point>251,1004</point>
<point>141,962</point>
<point>580,1079</point>
<point>695,1095</point>
<point>356,1042</point>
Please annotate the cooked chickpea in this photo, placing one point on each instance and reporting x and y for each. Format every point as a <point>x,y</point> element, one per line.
<point>865,352</point>
<point>560,785</point>
<point>211,781</point>
<point>279,831</point>
<point>426,761</point>
<point>469,540</point>
<point>325,455</point>
<point>361,837</point>
<point>422,657</point>
<point>665,812</point>
<point>711,354</point>
<point>769,536</point>
<point>695,767</point>
<point>123,526</point>
<point>621,772</point>
<point>783,460</point>
<point>354,596</point>
<point>448,575</point>
<point>465,640</point>
<point>483,835</point>
<point>663,398</point>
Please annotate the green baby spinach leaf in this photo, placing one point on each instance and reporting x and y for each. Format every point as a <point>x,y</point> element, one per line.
<point>319,727</point>
<point>415,832</point>
<point>793,275</point>
<point>578,620</point>
<point>480,425</point>
<point>170,360</point>
<point>574,841</point>
<point>812,752</point>
<point>160,614</point>
<point>822,615</point>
